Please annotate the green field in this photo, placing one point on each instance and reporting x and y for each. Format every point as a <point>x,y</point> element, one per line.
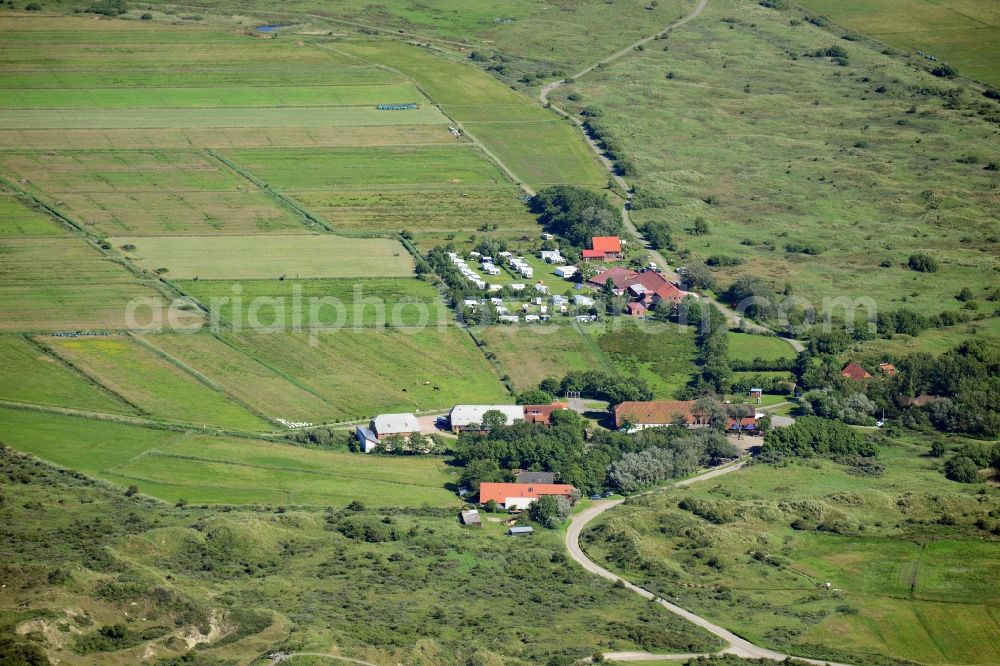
<point>53,284</point>
<point>539,148</point>
<point>862,162</point>
<point>662,354</point>
<point>364,372</point>
<point>529,354</point>
<point>320,303</point>
<point>274,257</point>
<point>904,582</point>
<point>293,170</point>
<point>149,192</point>
<point>17,219</point>
<point>153,384</point>
<point>958,32</point>
<point>747,347</point>
<point>29,374</point>
<point>218,470</point>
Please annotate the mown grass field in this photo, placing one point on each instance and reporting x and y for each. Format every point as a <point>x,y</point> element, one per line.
<point>284,304</point>
<point>258,385</point>
<point>365,372</point>
<point>959,33</point>
<point>746,347</point>
<point>863,161</point>
<point>905,583</point>
<point>275,257</point>
<point>29,374</point>
<point>149,192</point>
<point>534,143</point>
<point>218,470</point>
<point>529,354</point>
<point>153,384</point>
<point>64,284</point>
<point>19,219</point>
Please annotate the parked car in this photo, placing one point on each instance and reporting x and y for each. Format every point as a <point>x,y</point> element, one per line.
<point>594,497</point>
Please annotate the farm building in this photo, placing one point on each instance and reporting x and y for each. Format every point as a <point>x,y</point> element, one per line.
<point>542,413</point>
<point>606,248</point>
<point>656,414</point>
<point>854,371</point>
<point>520,531</point>
<point>646,287</point>
<point>521,495</point>
<point>383,426</point>
<point>471,518</point>
<point>745,422</point>
<point>536,477</point>
<point>470,417</point>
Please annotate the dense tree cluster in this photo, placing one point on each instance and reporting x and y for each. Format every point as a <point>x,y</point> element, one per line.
<point>815,436</point>
<point>605,386</point>
<point>675,452</point>
<point>576,214</point>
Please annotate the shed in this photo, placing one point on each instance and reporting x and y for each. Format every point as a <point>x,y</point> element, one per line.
<point>520,531</point>
<point>471,518</point>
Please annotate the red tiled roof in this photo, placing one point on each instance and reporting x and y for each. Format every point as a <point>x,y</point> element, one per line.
<point>887,368</point>
<point>636,309</point>
<point>542,413</point>
<point>653,412</point>
<point>669,292</point>
<point>499,492</point>
<point>606,244</point>
<point>593,254</point>
<point>746,423</point>
<point>619,277</point>
<point>854,371</point>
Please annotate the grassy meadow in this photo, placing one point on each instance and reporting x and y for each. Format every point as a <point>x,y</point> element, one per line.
<point>152,383</point>
<point>362,372</point>
<point>274,257</point>
<point>529,354</point>
<point>746,347</point>
<point>173,465</point>
<point>28,373</point>
<point>956,32</point>
<point>866,162</point>
<point>905,582</point>
<point>662,354</point>
<point>321,302</point>
<point>65,284</point>
<point>129,192</point>
<point>538,147</point>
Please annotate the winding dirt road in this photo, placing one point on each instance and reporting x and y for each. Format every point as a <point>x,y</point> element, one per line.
<point>734,319</point>
<point>736,645</point>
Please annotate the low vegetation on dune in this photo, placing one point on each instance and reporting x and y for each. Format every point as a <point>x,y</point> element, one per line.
<point>823,559</point>
<point>821,172</point>
<point>377,584</point>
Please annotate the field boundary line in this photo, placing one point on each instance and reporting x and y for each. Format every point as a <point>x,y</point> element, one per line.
<point>268,190</point>
<point>278,468</point>
<point>493,362</point>
<point>50,353</point>
<point>138,421</point>
<point>497,162</point>
<point>157,283</point>
<point>273,369</point>
<point>594,347</point>
<point>219,388</point>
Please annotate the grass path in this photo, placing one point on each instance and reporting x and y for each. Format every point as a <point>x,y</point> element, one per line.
<point>737,646</point>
